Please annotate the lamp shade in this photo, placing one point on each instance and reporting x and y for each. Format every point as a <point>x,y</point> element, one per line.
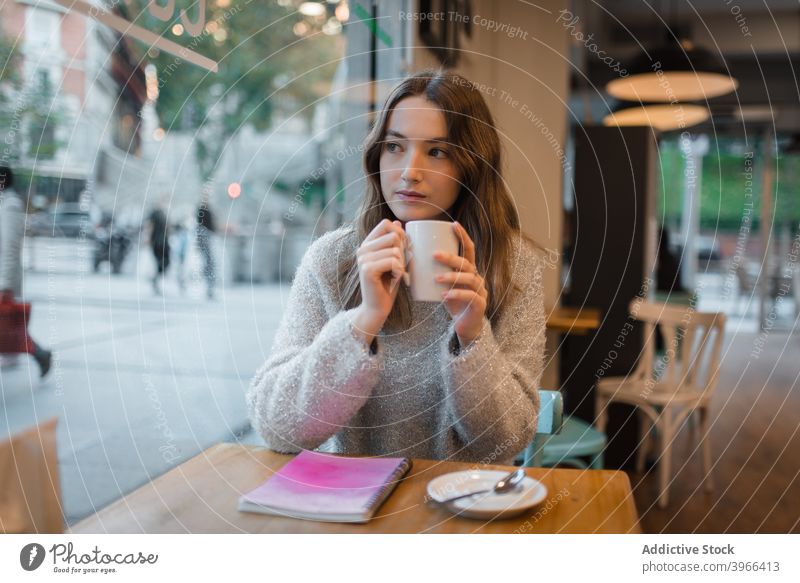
<point>661,117</point>
<point>672,73</point>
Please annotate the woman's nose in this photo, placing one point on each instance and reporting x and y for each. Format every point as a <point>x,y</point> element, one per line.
<point>412,172</point>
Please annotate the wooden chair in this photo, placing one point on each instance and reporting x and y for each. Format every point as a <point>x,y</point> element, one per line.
<point>666,392</point>
<point>551,414</point>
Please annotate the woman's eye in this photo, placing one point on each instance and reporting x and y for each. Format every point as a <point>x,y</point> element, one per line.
<point>392,146</point>
<point>438,153</point>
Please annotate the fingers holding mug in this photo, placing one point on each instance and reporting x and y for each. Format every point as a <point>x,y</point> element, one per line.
<point>385,234</point>
<point>464,280</point>
<point>467,245</point>
<point>385,253</point>
<point>457,263</point>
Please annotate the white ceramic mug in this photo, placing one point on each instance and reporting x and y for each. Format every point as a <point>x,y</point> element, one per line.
<point>425,238</point>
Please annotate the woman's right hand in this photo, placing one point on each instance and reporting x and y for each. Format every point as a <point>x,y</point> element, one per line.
<point>381,265</point>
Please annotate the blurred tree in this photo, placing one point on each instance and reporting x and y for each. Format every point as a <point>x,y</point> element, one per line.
<point>42,116</point>
<point>9,61</point>
<point>724,185</point>
<point>670,183</point>
<point>723,191</point>
<point>9,88</point>
<point>787,198</point>
<point>29,112</point>
<point>271,58</point>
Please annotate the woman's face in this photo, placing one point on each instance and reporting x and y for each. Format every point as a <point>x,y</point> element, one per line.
<point>419,178</point>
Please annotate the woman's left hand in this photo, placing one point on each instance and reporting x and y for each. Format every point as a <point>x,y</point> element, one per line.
<point>467,299</point>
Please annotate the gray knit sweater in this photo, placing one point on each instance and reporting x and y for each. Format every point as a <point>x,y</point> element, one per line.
<point>419,395</point>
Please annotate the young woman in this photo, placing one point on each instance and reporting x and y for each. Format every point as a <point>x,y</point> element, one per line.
<point>357,367</point>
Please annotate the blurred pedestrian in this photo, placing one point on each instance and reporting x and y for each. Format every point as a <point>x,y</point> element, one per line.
<point>180,244</point>
<point>12,236</point>
<point>159,243</point>
<point>205,234</point>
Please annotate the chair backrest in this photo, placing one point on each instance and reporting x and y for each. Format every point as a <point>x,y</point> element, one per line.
<point>551,412</point>
<point>549,421</point>
<point>692,345</point>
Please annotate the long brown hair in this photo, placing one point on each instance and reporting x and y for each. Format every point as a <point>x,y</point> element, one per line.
<point>483,207</point>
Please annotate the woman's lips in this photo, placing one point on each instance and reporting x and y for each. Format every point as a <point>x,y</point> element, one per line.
<point>410,196</point>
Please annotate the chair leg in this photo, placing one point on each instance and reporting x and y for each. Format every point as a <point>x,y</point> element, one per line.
<point>665,459</point>
<point>644,441</point>
<point>600,411</point>
<point>534,453</point>
<point>691,423</point>
<point>708,479</point>
<point>601,420</point>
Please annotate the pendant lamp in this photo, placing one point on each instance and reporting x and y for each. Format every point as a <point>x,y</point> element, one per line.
<point>673,72</point>
<point>664,118</point>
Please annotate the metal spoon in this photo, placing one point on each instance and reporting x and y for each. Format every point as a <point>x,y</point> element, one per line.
<point>503,485</point>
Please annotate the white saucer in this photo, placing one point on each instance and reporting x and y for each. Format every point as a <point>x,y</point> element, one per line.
<point>527,495</point>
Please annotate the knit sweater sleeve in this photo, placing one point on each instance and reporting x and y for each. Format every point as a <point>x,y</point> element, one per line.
<point>492,385</point>
<point>319,374</point>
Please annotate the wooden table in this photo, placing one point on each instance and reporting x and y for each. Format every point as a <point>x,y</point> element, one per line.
<point>200,496</point>
<point>573,320</point>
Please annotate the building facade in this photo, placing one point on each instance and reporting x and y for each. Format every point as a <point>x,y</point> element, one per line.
<point>78,109</point>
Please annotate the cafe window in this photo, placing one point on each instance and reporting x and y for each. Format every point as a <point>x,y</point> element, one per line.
<point>259,121</point>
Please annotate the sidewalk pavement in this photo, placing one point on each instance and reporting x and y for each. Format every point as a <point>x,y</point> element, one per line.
<point>139,383</point>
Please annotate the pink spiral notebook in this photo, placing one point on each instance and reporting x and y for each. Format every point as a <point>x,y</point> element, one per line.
<point>317,486</point>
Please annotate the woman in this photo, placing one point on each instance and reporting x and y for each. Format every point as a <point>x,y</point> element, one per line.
<point>205,234</point>
<point>12,235</point>
<point>159,244</point>
<point>357,365</point>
